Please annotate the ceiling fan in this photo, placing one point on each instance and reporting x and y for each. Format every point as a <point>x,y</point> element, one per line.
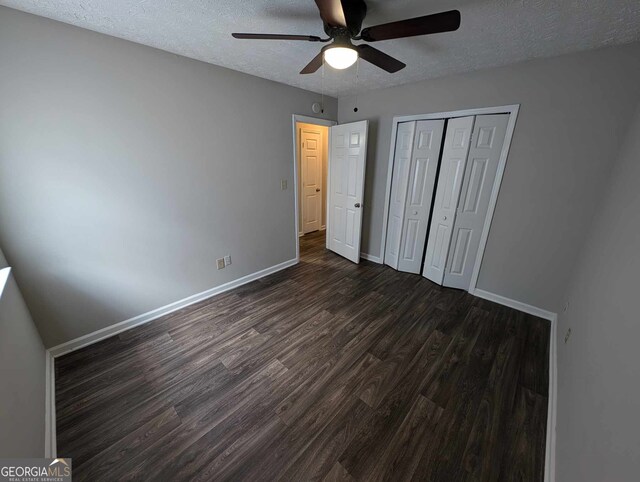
<point>343,22</point>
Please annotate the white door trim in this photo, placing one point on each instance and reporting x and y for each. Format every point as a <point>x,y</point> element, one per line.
<point>512,110</point>
<point>295,118</point>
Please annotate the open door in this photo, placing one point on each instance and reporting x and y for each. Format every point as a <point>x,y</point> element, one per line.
<point>347,157</point>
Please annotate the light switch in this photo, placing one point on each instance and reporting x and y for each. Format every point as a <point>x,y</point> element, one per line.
<point>227,260</point>
<point>283,184</point>
<point>220,263</point>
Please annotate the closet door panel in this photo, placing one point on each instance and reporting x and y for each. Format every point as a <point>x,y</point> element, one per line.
<point>400,178</point>
<point>450,180</point>
<point>421,185</point>
<point>479,178</point>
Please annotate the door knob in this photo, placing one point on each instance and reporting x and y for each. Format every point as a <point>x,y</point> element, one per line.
<point>357,205</point>
<point>415,213</point>
<point>317,189</point>
<point>444,218</point>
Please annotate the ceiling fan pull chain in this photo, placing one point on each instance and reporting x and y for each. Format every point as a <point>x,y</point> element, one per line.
<point>322,89</point>
<point>355,108</point>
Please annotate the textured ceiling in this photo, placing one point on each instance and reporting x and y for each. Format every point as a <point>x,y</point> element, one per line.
<point>493,33</point>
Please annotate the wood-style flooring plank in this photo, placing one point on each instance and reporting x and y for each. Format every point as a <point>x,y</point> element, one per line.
<point>327,370</point>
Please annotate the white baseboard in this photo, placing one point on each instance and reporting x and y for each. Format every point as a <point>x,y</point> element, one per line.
<point>322,228</point>
<point>550,447</point>
<point>83,341</point>
<point>50,444</point>
<point>109,331</point>
<point>369,257</point>
<point>516,305</point>
<point>552,409</point>
<point>50,448</point>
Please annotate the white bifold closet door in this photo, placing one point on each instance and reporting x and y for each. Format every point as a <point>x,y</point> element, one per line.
<point>400,179</point>
<point>414,176</point>
<point>480,173</point>
<point>454,158</point>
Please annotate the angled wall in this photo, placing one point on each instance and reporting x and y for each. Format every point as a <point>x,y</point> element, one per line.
<point>599,366</point>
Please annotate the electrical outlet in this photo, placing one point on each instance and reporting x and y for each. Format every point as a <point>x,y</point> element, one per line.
<point>283,184</point>
<point>566,337</point>
<point>227,260</point>
<point>220,263</point>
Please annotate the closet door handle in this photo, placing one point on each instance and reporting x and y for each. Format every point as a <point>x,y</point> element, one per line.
<point>317,189</point>
<point>357,205</point>
<point>444,218</point>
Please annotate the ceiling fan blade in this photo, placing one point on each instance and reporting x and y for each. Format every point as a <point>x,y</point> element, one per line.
<point>331,12</point>
<point>436,23</point>
<point>314,65</point>
<point>273,36</point>
<point>379,59</point>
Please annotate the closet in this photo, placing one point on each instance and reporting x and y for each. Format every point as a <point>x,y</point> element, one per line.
<point>443,175</point>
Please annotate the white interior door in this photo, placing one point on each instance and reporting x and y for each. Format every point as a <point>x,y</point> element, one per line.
<point>399,181</point>
<point>422,177</point>
<point>454,156</point>
<point>311,171</point>
<point>482,164</point>
<point>347,158</point>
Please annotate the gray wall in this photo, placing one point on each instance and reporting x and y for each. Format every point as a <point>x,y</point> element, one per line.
<point>125,171</point>
<point>574,112</point>
<point>22,377</point>
<point>599,367</point>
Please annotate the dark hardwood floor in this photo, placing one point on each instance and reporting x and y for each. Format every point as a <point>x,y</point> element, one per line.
<point>324,371</point>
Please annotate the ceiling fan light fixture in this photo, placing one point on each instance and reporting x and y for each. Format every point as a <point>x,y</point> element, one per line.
<point>340,57</point>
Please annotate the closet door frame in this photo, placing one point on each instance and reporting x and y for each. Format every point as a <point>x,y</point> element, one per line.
<point>512,110</point>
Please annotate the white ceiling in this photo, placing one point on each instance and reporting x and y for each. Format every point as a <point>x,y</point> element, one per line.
<point>493,33</point>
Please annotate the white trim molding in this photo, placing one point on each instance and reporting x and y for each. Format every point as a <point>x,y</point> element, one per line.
<point>322,228</point>
<point>50,444</point>
<point>50,448</point>
<point>109,331</point>
<point>370,257</point>
<point>552,407</point>
<point>516,305</point>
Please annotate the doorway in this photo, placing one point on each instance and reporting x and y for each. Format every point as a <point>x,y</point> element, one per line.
<point>336,195</point>
<point>313,147</point>
<point>314,132</point>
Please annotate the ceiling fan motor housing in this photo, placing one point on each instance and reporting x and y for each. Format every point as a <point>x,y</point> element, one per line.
<point>354,13</point>
<point>342,38</point>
